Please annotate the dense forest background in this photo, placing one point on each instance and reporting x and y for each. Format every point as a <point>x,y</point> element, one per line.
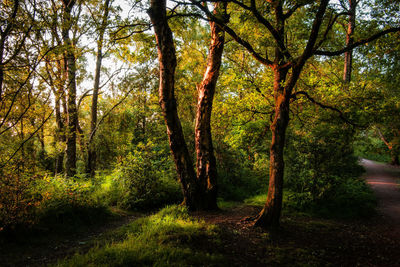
<point>81,128</point>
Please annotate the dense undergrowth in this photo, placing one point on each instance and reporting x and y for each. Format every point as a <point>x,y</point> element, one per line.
<point>322,182</point>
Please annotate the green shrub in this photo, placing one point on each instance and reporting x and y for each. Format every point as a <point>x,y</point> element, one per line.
<point>320,166</point>
<point>50,202</point>
<point>147,178</point>
<point>17,201</point>
<point>68,202</point>
<point>238,179</point>
<point>350,198</point>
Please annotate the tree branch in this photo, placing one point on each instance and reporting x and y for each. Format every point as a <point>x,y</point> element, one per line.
<point>341,115</point>
<point>356,44</point>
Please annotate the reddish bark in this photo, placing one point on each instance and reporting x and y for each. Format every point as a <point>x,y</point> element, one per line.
<point>283,87</point>
<point>270,214</point>
<point>200,191</point>
<point>206,162</point>
<point>167,61</point>
<point>348,56</point>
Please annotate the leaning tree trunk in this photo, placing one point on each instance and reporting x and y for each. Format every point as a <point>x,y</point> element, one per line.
<point>270,215</point>
<point>167,61</point>
<point>206,162</point>
<point>348,56</point>
<point>70,165</point>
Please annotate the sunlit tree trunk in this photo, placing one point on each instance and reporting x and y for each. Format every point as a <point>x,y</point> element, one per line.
<point>70,166</point>
<point>167,61</point>
<point>206,162</point>
<point>270,215</point>
<point>348,56</point>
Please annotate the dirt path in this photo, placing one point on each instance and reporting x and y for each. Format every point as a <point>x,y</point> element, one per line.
<point>383,180</point>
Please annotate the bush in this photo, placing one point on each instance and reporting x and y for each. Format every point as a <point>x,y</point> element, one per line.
<point>17,201</point>
<point>51,202</point>
<point>147,179</point>
<point>68,202</point>
<point>237,177</point>
<point>320,171</point>
<point>350,198</point>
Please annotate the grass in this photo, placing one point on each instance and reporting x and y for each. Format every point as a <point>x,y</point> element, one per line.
<point>168,238</point>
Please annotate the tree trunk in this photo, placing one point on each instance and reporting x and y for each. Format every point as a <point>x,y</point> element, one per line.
<point>394,152</point>
<point>270,215</point>
<point>395,159</point>
<point>167,61</point>
<point>92,156</point>
<point>70,166</point>
<point>206,162</point>
<point>348,56</point>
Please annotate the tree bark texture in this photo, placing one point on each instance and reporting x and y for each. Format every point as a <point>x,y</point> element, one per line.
<point>92,156</point>
<point>167,61</point>
<point>348,56</point>
<point>270,215</point>
<point>70,166</point>
<point>206,162</point>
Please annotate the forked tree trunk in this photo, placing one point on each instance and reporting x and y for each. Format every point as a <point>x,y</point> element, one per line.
<point>199,191</point>
<point>70,165</point>
<point>206,162</point>
<point>348,56</point>
<point>167,61</point>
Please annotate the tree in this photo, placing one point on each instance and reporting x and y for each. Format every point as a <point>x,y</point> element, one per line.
<point>70,165</point>
<point>206,163</point>
<point>199,191</point>
<point>20,56</point>
<point>91,160</point>
<point>348,55</point>
<point>287,65</point>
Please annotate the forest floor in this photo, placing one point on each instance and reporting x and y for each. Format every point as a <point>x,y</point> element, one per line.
<point>302,240</point>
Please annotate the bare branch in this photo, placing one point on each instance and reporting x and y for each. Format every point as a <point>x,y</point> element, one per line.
<point>324,106</point>
<point>356,44</point>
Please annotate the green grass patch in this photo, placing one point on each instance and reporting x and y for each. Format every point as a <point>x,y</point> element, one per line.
<point>257,200</point>
<point>164,239</point>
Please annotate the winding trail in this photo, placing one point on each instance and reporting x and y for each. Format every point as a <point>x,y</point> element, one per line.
<point>383,180</point>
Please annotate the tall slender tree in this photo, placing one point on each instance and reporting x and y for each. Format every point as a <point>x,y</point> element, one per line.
<point>70,166</point>
<point>206,162</point>
<point>91,160</point>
